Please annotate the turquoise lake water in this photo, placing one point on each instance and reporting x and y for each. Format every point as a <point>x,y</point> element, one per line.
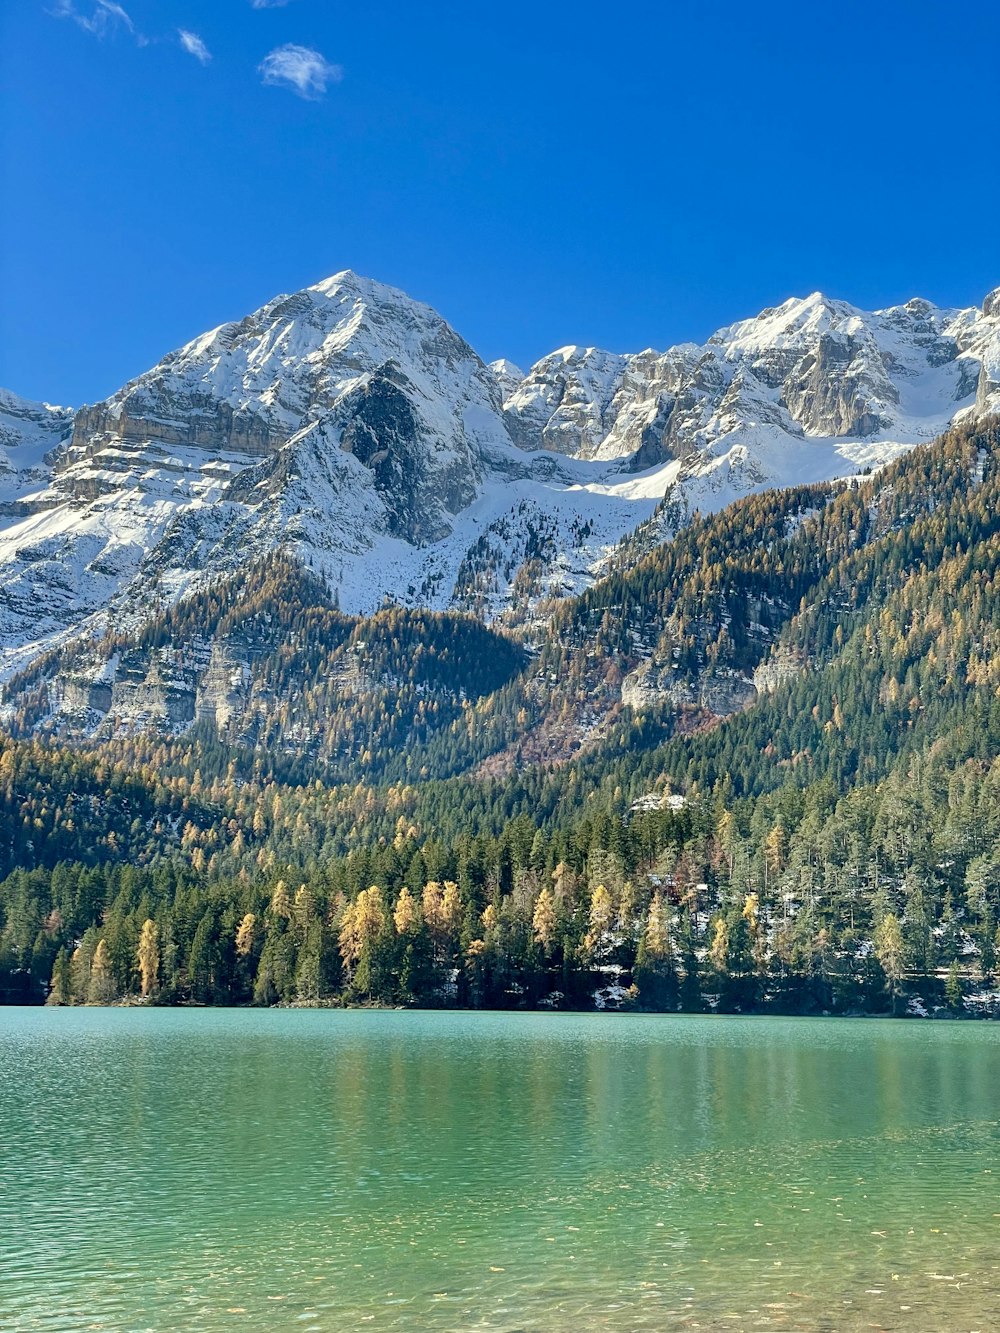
<point>177,1170</point>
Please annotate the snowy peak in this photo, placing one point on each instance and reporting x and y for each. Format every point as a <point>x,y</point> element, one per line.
<point>251,385</point>
<point>507,375</point>
<point>562,404</point>
<point>335,418</point>
<point>384,379</point>
<point>790,324</point>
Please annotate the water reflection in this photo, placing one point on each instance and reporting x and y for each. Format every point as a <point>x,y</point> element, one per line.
<point>271,1170</point>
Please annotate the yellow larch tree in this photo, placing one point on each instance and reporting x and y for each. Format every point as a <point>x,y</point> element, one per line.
<point>148,954</point>
<point>544,921</point>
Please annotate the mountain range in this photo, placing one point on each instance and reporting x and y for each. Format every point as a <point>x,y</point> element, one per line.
<point>349,433</point>
<point>356,425</point>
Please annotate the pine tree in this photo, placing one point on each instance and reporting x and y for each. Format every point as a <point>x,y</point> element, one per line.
<point>953,989</point>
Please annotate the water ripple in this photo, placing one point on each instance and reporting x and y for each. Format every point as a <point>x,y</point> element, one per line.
<point>200,1171</point>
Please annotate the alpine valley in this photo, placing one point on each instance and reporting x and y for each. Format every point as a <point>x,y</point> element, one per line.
<point>657,679</point>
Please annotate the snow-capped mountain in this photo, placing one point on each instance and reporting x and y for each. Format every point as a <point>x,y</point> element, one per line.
<point>354,426</point>
<point>390,383</point>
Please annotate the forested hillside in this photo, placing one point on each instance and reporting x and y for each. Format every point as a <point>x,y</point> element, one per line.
<point>756,768</point>
<point>262,661</point>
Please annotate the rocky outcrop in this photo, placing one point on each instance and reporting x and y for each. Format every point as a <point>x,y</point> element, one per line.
<point>565,402</point>
<point>783,664</point>
<point>82,694</point>
<point>193,418</point>
<point>648,686</point>
<point>812,367</point>
<point>379,426</point>
<point>153,696</point>
<point>654,684</point>
<point>716,693</point>
<point>840,387</point>
<point>223,690</point>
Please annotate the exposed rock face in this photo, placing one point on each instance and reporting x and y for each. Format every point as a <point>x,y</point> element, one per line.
<point>838,388</point>
<point>716,693</point>
<point>194,418</point>
<point>782,665</point>
<point>824,362</point>
<point>160,690</point>
<point>224,687</point>
<point>979,341</point>
<point>381,429</point>
<point>648,686</point>
<point>564,403</point>
<point>81,694</point>
<point>654,685</point>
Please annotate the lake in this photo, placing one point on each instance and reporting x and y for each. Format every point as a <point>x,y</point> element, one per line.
<point>333,1170</point>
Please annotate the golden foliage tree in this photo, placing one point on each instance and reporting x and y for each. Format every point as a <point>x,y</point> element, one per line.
<point>406,914</point>
<point>101,989</point>
<point>246,933</point>
<point>599,921</point>
<point>544,921</point>
<point>148,954</point>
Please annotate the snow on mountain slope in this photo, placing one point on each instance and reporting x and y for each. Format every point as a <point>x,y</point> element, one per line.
<point>563,403</point>
<point>399,389</point>
<point>507,375</point>
<point>28,431</point>
<point>356,426</point>
<point>339,417</point>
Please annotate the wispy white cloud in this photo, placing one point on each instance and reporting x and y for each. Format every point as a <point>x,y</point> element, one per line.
<point>268,4</point>
<point>105,17</point>
<point>193,45</point>
<point>300,68</point>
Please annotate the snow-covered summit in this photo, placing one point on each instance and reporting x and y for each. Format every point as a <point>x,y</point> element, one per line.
<point>253,384</point>
<point>507,375</point>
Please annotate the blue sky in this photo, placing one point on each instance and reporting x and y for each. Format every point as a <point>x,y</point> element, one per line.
<point>625,175</point>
